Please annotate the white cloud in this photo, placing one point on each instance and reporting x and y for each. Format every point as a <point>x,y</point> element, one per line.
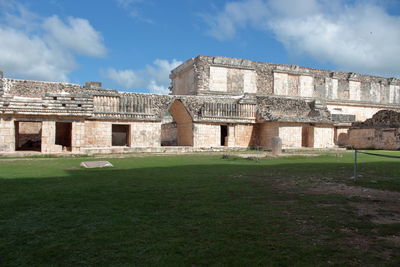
<point>236,15</point>
<point>161,68</point>
<point>357,36</point>
<point>30,56</point>
<point>126,78</point>
<point>133,9</point>
<point>153,77</point>
<point>77,35</point>
<point>158,89</point>
<point>42,48</point>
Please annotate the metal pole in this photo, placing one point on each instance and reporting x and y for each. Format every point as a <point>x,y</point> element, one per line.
<point>355,164</point>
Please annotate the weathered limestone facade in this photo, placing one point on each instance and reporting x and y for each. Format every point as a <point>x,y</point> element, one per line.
<point>59,117</point>
<point>214,102</point>
<point>344,97</point>
<point>382,131</point>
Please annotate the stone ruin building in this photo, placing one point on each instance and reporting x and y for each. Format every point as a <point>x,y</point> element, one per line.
<point>215,102</point>
<point>382,131</point>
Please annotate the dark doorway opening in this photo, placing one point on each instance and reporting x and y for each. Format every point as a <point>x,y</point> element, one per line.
<point>28,136</point>
<point>64,135</point>
<point>307,135</point>
<point>120,135</point>
<point>224,135</point>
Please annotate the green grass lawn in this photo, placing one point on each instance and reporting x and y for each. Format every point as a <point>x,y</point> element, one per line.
<point>192,210</point>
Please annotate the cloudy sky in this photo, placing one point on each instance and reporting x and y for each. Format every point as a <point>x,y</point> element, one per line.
<point>133,44</point>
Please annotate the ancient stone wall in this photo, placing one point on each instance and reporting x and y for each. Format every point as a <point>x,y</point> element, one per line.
<point>78,135</point>
<point>169,133</point>
<point>360,112</point>
<point>267,131</point>
<point>37,89</point>
<point>244,135</point>
<point>341,137</point>
<point>200,120</point>
<point>7,134</point>
<point>51,104</point>
<point>382,131</point>
<point>323,136</point>
<point>184,123</point>
<point>291,110</point>
<point>291,135</point>
<point>361,138</point>
<point>221,75</point>
<point>28,88</point>
<point>206,135</point>
<point>97,134</point>
<point>382,119</point>
<point>145,134</point>
<point>130,106</point>
<point>49,138</point>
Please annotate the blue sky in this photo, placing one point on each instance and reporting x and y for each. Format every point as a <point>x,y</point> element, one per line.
<point>133,44</point>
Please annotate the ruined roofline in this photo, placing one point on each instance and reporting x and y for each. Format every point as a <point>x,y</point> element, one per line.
<point>39,81</point>
<point>284,68</point>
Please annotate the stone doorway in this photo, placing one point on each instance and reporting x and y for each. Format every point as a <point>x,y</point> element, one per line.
<point>28,136</point>
<point>224,135</point>
<point>120,135</point>
<point>184,123</point>
<point>64,135</point>
<point>307,136</point>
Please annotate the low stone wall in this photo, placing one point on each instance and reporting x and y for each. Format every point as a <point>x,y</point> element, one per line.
<point>382,131</point>
<point>375,138</point>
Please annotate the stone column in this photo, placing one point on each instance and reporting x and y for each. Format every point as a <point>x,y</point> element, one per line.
<point>78,136</point>
<point>48,137</point>
<point>7,135</point>
<point>231,136</point>
<point>276,145</point>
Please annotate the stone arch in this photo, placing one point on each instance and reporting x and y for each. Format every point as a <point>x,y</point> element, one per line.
<point>184,123</point>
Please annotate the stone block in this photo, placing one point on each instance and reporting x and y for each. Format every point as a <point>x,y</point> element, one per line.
<point>276,146</point>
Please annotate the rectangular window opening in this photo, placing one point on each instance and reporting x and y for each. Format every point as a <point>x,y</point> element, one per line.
<point>224,135</point>
<point>28,136</point>
<point>120,135</point>
<point>64,135</point>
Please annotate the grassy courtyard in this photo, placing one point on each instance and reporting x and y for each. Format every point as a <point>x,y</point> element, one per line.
<point>199,210</point>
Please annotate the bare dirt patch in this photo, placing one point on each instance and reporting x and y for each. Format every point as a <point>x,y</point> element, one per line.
<point>383,207</point>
